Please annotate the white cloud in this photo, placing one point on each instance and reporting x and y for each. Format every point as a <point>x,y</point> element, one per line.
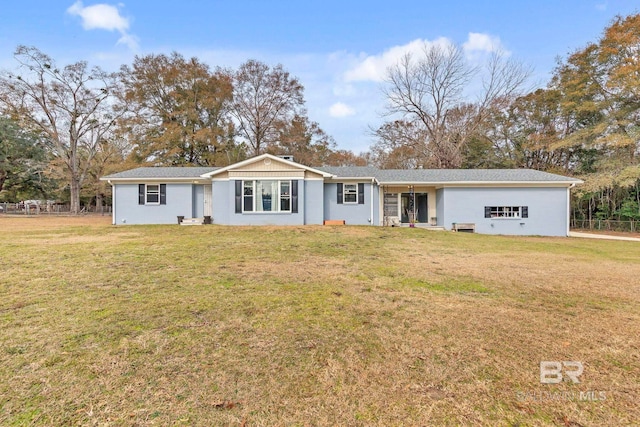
<point>374,67</point>
<point>129,40</point>
<point>104,17</point>
<point>483,43</point>
<point>99,16</point>
<point>602,6</point>
<point>340,109</point>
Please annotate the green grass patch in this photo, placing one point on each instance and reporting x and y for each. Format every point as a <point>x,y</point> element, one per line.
<point>453,285</point>
<point>169,325</point>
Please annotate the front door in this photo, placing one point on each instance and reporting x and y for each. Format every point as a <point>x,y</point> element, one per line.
<point>422,207</point>
<point>414,206</point>
<point>406,207</point>
<point>208,208</point>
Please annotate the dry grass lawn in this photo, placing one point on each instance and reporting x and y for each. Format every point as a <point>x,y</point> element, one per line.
<point>361,326</point>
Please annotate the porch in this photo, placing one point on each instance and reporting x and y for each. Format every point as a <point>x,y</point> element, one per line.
<point>408,204</point>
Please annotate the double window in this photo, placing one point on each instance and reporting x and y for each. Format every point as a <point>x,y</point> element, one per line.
<point>267,196</point>
<point>506,212</point>
<point>152,194</point>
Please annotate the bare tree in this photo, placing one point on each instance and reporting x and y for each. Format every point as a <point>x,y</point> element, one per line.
<point>264,99</point>
<point>429,91</point>
<point>400,145</point>
<point>71,107</point>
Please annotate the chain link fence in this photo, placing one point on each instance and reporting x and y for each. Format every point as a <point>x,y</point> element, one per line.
<point>606,225</point>
<point>35,208</point>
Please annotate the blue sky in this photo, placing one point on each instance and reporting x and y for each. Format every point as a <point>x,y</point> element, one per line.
<point>338,49</point>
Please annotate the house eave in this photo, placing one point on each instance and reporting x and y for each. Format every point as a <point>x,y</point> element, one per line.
<point>243,163</point>
<point>177,180</point>
<point>483,183</point>
<point>337,178</point>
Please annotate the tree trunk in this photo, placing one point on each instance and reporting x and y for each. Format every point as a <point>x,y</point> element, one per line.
<point>75,195</point>
<point>638,195</point>
<point>99,204</point>
<point>3,177</point>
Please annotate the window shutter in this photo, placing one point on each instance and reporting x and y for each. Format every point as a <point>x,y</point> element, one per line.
<point>487,211</point>
<point>294,196</point>
<point>524,211</point>
<point>361,193</point>
<point>163,194</point>
<point>340,197</point>
<point>238,196</point>
<point>141,194</point>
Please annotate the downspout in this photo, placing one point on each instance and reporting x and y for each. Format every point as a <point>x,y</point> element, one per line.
<point>569,207</point>
<point>372,182</point>
<point>113,202</point>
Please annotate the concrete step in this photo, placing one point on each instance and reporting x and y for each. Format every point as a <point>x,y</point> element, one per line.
<point>192,221</point>
<point>423,226</point>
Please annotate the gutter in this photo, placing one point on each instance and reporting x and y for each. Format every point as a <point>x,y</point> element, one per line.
<point>178,180</point>
<point>113,202</point>
<point>569,208</point>
<point>352,178</point>
<point>477,183</point>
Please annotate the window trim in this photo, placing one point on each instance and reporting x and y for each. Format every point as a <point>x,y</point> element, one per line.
<point>343,193</point>
<point>286,196</point>
<point>148,192</point>
<point>144,192</point>
<point>278,196</point>
<point>501,212</point>
<point>353,192</point>
<point>246,197</point>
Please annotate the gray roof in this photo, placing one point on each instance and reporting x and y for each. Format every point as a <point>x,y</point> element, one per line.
<point>351,171</point>
<point>387,176</point>
<point>162,172</point>
<point>446,175</point>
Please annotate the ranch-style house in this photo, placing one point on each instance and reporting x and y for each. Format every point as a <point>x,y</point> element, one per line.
<point>273,190</point>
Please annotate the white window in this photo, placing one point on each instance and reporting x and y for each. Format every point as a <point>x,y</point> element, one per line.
<point>391,204</point>
<point>153,194</point>
<point>350,193</point>
<point>285,196</point>
<point>266,196</point>
<point>248,196</point>
<point>506,212</point>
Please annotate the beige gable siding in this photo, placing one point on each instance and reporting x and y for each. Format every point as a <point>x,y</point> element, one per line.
<point>223,175</point>
<point>266,174</point>
<point>267,165</point>
<point>312,175</point>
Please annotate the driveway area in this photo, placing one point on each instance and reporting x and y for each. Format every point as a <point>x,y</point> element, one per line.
<point>602,236</point>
